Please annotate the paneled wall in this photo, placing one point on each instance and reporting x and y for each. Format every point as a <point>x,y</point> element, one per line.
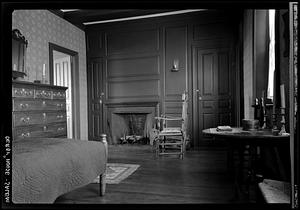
<point>138,57</point>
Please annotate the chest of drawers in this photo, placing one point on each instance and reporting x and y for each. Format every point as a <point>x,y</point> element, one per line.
<point>38,110</point>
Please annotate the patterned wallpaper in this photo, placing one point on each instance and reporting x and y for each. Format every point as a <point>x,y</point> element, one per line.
<point>41,27</point>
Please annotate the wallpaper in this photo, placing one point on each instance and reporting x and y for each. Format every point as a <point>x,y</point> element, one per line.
<point>41,27</point>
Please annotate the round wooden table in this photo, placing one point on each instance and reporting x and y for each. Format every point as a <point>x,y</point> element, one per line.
<point>239,139</point>
<point>240,136</point>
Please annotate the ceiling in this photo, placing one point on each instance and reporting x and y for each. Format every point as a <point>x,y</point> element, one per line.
<point>80,16</point>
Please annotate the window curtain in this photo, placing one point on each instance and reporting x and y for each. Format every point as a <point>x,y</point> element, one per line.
<point>261,52</point>
<point>271,25</point>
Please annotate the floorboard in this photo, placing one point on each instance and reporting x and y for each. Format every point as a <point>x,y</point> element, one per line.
<point>201,177</point>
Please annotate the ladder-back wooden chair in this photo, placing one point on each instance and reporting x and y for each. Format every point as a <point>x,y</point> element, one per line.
<point>171,140</point>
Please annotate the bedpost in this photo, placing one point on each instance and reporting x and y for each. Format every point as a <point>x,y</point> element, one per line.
<point>102,183</point>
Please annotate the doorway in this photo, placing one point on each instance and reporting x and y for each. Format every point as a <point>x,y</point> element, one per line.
<point>213,95</point>
<point>63,66</point>
<point>96,98</point>
<point>62,77</point>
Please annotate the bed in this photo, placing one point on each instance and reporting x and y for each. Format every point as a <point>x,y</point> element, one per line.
<point>45,168</point>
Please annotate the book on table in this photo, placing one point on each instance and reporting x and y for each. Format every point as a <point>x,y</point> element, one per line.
<point>224,128</point>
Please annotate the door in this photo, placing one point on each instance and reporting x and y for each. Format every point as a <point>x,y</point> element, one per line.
<point>62,77</point>
<point>212,95</point>
<point>95,98</point>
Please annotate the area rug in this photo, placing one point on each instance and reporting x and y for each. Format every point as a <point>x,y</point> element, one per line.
<point>116,172</point>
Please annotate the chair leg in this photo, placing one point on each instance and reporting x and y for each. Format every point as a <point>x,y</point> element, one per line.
<point>182,149</point>
<point>157,147</point>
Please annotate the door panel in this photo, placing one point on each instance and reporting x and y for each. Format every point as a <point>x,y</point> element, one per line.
<point>95,98</point>
<point>213,90</point>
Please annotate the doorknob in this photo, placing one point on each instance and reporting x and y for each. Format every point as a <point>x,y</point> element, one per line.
<point>100,101</point>
<point>198,92</point>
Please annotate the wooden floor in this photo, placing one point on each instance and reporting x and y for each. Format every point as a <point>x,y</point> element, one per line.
<point>201,177</point>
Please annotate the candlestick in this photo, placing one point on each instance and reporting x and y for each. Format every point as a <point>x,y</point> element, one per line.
<point>282,130</point>
<point>282,96</point>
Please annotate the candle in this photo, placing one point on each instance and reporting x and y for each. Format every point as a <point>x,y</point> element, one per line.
<point>263,98</point>
<point>44,70</point>
<point>274,93</point>
<point>15,67</point>
<point>282,96</point>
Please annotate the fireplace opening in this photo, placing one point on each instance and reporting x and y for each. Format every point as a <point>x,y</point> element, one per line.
<point>131,123</point>
<point>135,129</point>
<point>131,128</point>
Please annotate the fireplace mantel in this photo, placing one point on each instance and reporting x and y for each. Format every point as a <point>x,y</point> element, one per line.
<point>132,103</point>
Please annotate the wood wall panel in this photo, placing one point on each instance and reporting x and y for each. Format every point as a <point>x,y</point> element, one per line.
<point>225,104</point>
<point>95,44</point>
<point>133,89</point>
<point>173,107</point>
<point>127,42</point>
<point>224,74</point>
<point>211,31</point>
<point>208,104</point>
<point>209,120</point>
<point>175,49</point>
<point>208,73</point>
<point>133,66</point>
<point>224,118</point>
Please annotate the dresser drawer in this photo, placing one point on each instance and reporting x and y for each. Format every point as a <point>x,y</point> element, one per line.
<point>40,131</point>
<point>57,129</point>
<point>58,94</point>
<point>30,105</point>
<point>51,117</point>
<point>21,92</point>
<point>21,119</point>
<point>28,132</point>
<point>40,93</point>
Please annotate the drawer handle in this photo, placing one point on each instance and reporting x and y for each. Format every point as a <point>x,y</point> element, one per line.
<point>45,128</point>
<point>24,106</point>
<point>25,120</point>
<point>23,92</point>
<point>59,116</point>
<point>59,105</point>
<point>44,94</point>
<point>60,129</point>
<point>25,134</point>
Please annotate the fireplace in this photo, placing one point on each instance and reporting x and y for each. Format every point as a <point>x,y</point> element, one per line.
<point>131,123</point>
